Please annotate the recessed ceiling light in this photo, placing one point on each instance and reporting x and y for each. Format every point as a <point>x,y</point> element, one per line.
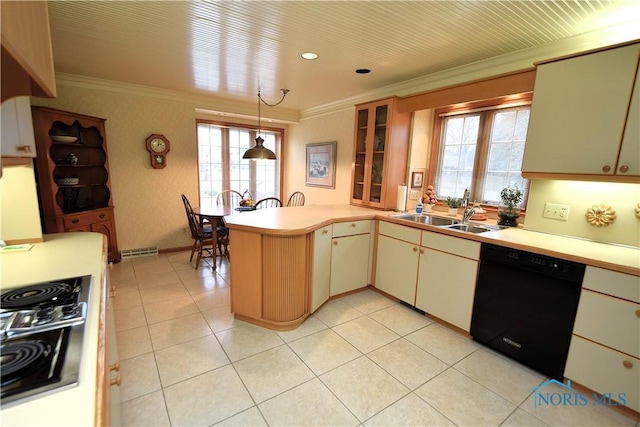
<point>309,55</point>
<point>363,71</point>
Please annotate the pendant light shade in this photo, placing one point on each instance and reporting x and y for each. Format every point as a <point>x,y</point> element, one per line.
<point>260,151</point>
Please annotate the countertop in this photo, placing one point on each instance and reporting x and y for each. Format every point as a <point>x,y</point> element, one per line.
<point>305,219</point>
<point>60,256</point>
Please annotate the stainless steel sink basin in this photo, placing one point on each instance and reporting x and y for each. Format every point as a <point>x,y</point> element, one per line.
<point>427,219</point>
<point>472,228</point>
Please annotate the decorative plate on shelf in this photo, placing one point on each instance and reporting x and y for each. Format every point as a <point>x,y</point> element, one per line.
<point>67,181</point>
<point>64,138</point>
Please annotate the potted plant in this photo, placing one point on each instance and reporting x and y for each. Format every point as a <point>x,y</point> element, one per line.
<point>508,213</point>
<point>454,203</point>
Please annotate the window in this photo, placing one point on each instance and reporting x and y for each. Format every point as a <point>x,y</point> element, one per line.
<point>221,166</point>
<point>480,149</point>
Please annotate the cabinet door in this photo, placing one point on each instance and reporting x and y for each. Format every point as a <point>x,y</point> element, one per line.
<point>321,277</point>
<point>349,263</point>
<point>446,286</point>
<point>604,370</point>
<point>629,162</point>
<point>17,128</point>
<point>106,228</point>
<point>114,366</point>
<point>397,268</point>
<point>578,112</point>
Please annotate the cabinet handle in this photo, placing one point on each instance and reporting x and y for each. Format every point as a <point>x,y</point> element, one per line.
<point>115,366</point>
<point>324,231</point>
<point>101,216</point>
<point>75,220</point>
<point>415,249</point>
<point>624,168</point>
<point>335,243</point>
<point>27,149</point>
<point>421,251</point>
<point>627,364</point>
<point>638,313</point>
<point>606,168</point>
<point>112,294</point>
<point>353,224</point>
<point>117,380</point>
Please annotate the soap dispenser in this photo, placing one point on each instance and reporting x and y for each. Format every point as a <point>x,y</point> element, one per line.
<point>419,207</point>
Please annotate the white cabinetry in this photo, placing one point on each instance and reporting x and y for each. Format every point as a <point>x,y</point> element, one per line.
<point>321,275</point>
<point>350,256</point>
<point>397,261</point>
<point>17,128</point>
<point>447,278</point>
<point>605,347</point>
<point>579,111</point>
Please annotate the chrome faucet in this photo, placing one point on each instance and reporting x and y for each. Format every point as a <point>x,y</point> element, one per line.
<point>468,210</point>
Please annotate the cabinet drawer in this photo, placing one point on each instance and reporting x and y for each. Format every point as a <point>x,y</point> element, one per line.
<point>610,321</point>
<point>603,370</point>
<point>408,234</point>
<point>86,218</point>
<point>351,228</point>
<point>619,285</point>
<point>453,245</point>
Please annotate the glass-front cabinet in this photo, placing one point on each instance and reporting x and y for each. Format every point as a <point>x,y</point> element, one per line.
<point>380,153</point>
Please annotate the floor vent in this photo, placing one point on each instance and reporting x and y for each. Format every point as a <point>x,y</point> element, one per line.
<point>139,252</point>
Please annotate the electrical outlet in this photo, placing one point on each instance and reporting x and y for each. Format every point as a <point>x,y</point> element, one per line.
<point>414,195</point>
<point>556,211</point>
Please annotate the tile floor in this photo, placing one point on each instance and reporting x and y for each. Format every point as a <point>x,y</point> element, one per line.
<point>360,360</point>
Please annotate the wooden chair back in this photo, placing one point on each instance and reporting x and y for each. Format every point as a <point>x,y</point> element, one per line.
<point>268,202</point>
<point>296,199</point>
<point>230,198</point>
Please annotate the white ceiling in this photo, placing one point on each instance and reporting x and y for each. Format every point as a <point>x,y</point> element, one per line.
<point>229,49</point>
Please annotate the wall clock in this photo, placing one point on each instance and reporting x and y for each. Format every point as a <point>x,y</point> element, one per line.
<point>158,147</point>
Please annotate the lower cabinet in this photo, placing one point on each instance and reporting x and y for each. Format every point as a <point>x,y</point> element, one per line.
<point>114,368</point>
<point>431,271</point>
<point>350,248</point>
<point>321,275</point>
<point>604,354</point>
<point>98,221</point>
<point>396,268</point>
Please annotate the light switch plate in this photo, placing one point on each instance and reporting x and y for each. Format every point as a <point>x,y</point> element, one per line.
<point>414,195</point>
<point>556,211</point>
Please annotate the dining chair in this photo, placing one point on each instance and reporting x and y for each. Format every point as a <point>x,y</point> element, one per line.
<point>202,235</point>
<point>228,198</point>
<point>296,199</point>
<point>268,202</point>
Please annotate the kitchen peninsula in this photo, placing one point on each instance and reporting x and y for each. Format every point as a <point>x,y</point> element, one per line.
<point>279,260</point>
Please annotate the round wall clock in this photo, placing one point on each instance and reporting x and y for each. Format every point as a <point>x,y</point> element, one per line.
<point>158,147</point>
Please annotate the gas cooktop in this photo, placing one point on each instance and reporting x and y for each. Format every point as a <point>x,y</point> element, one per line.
<point>41,334</point>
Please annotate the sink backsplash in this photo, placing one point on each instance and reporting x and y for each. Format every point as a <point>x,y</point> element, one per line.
<point>580,196</point>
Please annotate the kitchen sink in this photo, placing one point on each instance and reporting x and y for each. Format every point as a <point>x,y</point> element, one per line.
<point>427,219</point>
<point>471,228</point>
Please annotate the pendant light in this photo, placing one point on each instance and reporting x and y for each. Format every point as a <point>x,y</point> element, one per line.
<point>259,151</point>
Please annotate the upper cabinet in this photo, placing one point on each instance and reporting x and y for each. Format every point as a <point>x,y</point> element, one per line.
<point>17,128</point>
<point>27,58</point>
<point>584,118</point>
<point>380,147</point>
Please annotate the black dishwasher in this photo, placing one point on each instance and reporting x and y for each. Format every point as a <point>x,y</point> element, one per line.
<point>525,306</point>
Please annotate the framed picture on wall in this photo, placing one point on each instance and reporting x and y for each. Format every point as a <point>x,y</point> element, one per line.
<point>321,164</point>
<point>416,179</point>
